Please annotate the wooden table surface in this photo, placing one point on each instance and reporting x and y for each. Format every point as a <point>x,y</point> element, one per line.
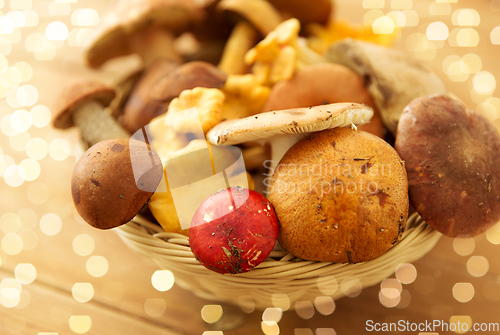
<point>60,276</point>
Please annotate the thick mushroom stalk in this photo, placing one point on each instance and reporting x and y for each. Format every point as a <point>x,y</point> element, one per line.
<point>83,105</point>
<point>96,124</point>
<point>282,129</point>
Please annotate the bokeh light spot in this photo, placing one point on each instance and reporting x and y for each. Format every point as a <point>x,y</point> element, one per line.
<point>25,273</point>
<point>97,266</point>
<point>478,266</point>
<point>12,244</point>
<point>211,313</point>
<point>56,31</point>
<point>463,292</point>
<point>50,224</point>
<point>80,324</point>
<point>406,273</point>
<point>163,280</point>
<point>82,292</point>
<point>83,245</point>
<point>464,245</point>
<point>324,305</point>
<point>437,31</point>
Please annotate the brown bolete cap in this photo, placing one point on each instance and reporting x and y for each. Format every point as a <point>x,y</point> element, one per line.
<point>113,180</point>
<point>307,11</point>
<point>75,95</point>
<point>187,76</point>
<point>341,196</point>
<point>453,164</point>
<point>128,17</point>
<point>140,107</point>
<point>323,83</point>
<point>392,77</point>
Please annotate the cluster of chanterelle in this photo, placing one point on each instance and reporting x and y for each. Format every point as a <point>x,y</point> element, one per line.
<point>266,76</point>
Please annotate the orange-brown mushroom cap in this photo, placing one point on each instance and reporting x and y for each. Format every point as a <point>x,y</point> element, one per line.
<point>75,95</point>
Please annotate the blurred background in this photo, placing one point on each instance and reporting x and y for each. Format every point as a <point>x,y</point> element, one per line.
<point>60,276</point>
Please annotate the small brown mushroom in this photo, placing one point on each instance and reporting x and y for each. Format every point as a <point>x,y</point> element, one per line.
<point>392,77</point>
<point>323,83</point>
<point>113,180</point>
<point>140,108</point>
<point>82,104</point>
<point>145,27</point>
<point>162,82</point>
<point>341,196</point>
<point>453,164</point>
<point>188,76</point>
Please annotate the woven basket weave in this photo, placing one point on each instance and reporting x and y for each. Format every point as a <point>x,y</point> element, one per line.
<point>281,273</point>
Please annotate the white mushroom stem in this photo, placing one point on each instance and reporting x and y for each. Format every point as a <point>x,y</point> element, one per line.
<point>152,44</point>
<point>279,146</point>
<point>96,124</point>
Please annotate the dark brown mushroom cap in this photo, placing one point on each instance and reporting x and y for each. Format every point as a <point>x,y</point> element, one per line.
<point>75,95</point>
<point>453,164</point>
<point>307,11</point>
<point>104,187</point>
<point>140,107</point>
<point>320,84</point>
<point>188,76</point>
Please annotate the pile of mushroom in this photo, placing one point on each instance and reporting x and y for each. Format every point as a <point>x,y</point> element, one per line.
<point>265,99</point>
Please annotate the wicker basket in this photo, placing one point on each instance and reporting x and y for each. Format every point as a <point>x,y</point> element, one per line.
<point>281,272</point>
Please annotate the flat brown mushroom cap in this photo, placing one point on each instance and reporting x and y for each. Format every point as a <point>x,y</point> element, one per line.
<point>73,96</point>
<point>320,84</point>
<point>340,195</point>
<point>453,164</point>
<point>288,121</point>
<point>187,76</point>
<point>111,38</point>
<point>103,185</point>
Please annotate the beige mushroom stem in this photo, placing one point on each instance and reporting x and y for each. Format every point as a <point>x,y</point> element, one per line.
<point>96,124</point>
<point>282,129</point>
<point>260,13</point>
<point>152,44</point>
